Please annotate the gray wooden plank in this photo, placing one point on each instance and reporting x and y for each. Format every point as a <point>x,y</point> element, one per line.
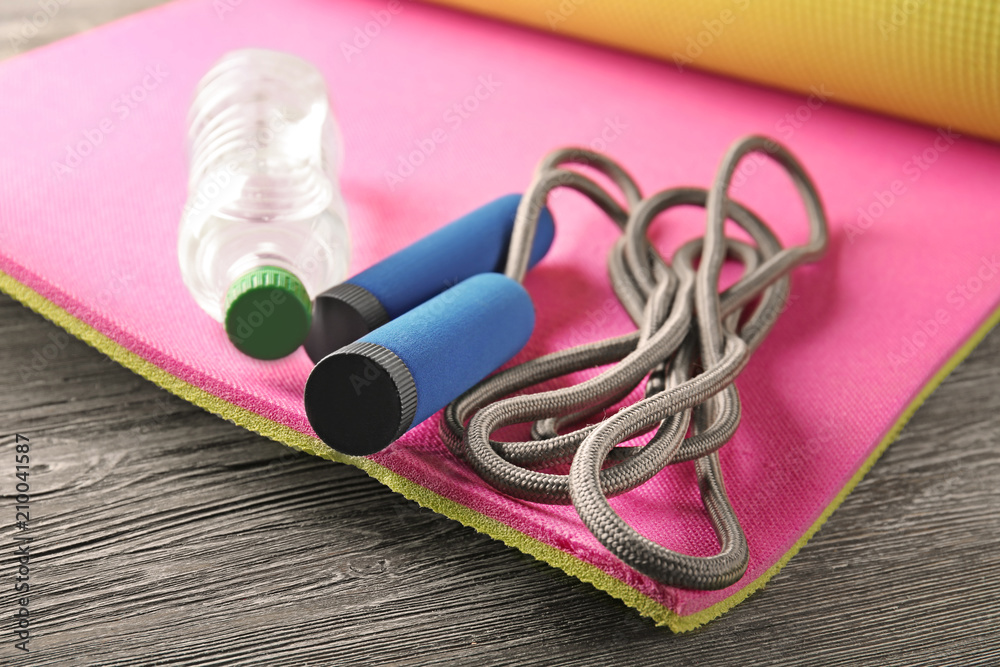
<point>169,536</point>
<point>28,24</point>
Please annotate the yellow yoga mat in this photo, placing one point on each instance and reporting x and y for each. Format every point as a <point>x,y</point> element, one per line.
<point>932,61</point>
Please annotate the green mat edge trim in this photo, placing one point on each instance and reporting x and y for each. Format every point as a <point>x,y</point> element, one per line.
<point>570,564</point>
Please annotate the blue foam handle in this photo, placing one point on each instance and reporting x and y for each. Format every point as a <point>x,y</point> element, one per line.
<point>456,339</point>
<point>475,243</point>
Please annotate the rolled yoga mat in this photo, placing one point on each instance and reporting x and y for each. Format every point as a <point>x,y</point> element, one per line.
<point>441,113</point>
<point>932,61</point>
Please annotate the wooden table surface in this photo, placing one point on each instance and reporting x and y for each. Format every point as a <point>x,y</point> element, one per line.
<point>166,535</point>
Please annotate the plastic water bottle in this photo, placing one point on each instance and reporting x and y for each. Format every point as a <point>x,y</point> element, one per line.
<point>265,227</point>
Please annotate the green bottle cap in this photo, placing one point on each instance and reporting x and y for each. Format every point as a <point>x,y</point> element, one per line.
<point>268,313</point>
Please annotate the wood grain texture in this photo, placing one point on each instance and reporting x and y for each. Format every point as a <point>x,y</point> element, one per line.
<point>165,535</point>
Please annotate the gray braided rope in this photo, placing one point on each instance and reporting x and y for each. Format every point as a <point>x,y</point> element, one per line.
<point>690,345</point>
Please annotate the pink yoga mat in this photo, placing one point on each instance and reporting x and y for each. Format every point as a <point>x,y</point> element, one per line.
<point>442,112</point>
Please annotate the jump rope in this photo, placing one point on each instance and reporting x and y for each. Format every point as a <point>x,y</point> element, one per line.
<point>396,343</point>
